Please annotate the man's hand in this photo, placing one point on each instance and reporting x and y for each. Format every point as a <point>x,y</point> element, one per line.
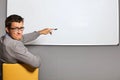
<point>46,31</point>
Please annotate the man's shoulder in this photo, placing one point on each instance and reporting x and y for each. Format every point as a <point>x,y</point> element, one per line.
<point>8,41</point>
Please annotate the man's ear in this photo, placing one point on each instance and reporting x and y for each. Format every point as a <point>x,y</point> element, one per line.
<point>7,30</point>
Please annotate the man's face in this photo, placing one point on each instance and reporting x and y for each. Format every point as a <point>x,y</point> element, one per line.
<point>16,30</point>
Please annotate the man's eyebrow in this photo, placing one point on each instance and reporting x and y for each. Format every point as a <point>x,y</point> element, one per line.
<point>17,26</point>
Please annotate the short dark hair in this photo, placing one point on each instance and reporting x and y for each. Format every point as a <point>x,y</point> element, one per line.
<point>13,18</point>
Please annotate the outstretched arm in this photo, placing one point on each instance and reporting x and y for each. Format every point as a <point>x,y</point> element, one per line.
<point>34,35</point>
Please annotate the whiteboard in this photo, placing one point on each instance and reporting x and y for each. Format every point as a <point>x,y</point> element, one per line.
<point>79,22</point>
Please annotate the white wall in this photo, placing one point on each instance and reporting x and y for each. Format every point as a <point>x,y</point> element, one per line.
<point>75,62</point>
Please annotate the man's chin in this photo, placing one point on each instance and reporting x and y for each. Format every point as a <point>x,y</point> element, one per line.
<point>18,38</point>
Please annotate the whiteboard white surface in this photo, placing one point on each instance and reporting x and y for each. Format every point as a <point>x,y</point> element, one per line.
<point>79,22</point>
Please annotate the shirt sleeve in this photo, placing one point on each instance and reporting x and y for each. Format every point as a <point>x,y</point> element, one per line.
<point>23,55</point>
<point>30,37</point>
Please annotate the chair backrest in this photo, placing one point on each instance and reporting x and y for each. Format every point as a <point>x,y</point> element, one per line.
<point>19,72</point>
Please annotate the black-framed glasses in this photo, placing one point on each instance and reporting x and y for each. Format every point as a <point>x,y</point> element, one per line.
<point>17,29</point>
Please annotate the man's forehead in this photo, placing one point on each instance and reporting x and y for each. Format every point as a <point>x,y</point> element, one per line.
<point>17,23</point>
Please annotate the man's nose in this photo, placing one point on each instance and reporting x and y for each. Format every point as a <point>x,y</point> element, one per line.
<point>20,31</point>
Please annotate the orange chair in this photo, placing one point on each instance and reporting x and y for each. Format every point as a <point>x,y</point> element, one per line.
<point>19,72</point>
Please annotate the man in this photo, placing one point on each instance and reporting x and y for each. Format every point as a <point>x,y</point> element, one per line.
<point>12,43</point>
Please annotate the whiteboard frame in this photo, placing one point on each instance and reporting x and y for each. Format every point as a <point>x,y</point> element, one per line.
<point>37,43</point>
